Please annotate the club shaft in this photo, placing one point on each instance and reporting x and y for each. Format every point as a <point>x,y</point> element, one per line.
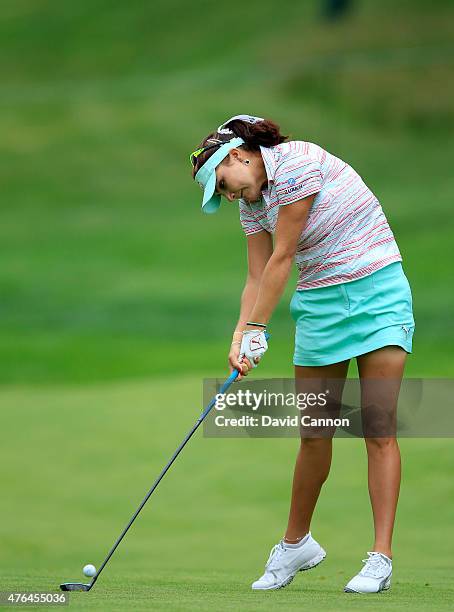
<point>201,418</point>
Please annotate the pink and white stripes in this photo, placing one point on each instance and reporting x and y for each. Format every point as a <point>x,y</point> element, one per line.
<point>346,236</point>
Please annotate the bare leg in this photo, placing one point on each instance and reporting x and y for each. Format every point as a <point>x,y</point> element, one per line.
<point>313,461</point>
<point>383,452</point>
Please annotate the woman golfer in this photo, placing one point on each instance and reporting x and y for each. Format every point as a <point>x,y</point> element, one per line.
<point>297,202</point>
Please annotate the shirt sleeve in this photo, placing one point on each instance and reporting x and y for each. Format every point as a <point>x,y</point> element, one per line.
<point>297,178</point>
<point>249,223</point>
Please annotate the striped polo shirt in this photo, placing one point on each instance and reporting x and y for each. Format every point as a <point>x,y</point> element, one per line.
<point>346,236</point>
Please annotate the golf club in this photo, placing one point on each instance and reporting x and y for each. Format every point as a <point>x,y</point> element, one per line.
<point>80,586</point>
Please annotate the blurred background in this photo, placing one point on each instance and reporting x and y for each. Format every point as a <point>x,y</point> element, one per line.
<point>118,296</point>
<point>108,267</point>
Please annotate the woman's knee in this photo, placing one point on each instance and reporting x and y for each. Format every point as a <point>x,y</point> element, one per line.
<point>380,445</point>
<point>316,454</point>
<point>316,444</point>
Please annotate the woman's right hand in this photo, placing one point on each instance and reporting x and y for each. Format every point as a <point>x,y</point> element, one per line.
<point>242,366</point>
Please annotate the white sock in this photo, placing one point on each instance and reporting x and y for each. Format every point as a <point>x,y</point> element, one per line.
<point>298,544</point>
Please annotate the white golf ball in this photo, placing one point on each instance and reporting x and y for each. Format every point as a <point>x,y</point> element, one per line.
<point>89,570</point>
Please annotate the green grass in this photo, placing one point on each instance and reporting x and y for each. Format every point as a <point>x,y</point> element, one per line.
<point>89,454</point>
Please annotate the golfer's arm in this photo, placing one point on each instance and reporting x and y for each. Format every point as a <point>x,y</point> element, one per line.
<point>259,249</point>
<point>290,224</point>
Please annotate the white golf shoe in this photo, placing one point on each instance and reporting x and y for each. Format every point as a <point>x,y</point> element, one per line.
<point>285,560</point>
<point>374,577</point>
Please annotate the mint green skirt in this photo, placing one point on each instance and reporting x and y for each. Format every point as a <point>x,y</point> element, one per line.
<point>342,321</point>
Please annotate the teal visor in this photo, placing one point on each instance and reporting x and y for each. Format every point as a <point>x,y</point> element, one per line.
<point>206,176</point>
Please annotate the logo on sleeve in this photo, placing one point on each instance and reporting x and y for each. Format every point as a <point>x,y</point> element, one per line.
<point>292,186</point>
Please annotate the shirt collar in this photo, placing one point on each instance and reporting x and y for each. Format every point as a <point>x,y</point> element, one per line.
<point>269,162</point>
<point>270,169</point>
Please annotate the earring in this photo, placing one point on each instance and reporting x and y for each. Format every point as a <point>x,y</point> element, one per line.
<point>246,161</point>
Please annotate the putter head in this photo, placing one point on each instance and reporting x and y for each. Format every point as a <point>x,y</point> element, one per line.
<point>75,586</point>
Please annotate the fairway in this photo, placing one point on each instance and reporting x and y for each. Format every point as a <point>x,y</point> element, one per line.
<point>88,455</point>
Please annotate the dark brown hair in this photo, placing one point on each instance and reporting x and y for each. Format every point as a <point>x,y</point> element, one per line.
<point>264,133</point>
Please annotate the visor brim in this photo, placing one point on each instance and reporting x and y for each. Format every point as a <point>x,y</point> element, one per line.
<point>206,176</point>
<point>211,201</point>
